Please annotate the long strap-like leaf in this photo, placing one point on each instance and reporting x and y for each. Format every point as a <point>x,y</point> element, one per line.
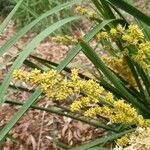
<point>9,17</point>
<point>131,10</point>
<point>102,140</point>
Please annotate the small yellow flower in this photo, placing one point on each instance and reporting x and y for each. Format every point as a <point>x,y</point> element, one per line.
<point>120,28</point>
<point>75,106</point>
<point>92,15</point>
<point>124,141</point>
<point>92,112</point>
<point>118,118</point>
<point>113,32</point>
<point>81,10</point>
<point>140,121</point>
<point>138,140</point>
<point>102,35</point>
<point>85,101</point>
<point>17,74</point>
<point>109,98</point>
<point>74,75</point>
<point>142,55</point>
<point>106,111</point>
<point>92,88</point>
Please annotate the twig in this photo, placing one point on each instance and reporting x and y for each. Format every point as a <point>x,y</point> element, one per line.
<point>57,111</point>
<point>41,129</point>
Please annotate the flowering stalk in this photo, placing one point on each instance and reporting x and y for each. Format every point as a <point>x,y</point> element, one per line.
<point>60,112</point>
<point>56,87</point>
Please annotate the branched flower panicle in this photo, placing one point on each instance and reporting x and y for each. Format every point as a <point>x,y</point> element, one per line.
<point>132,36</point>
<point>51,83</point>
<point>88,93</point>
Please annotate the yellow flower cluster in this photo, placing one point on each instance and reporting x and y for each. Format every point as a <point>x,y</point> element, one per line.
<point>88,94</point>
<point>81,10</point>
<point>133,35</point>
<point>124,113</point>
<point>118,112</point>
<point>85,11</point>
<point>66,40</point>
<point>143,55</point>
<point>124,141</point>
<point>89,87</point>
<point>113,33</point>
<point>50,82</point>
<point>102,35</point>
<point>83,102</point>
<point>120,66</point>
<point>138,140</point>
<point>96,110</point>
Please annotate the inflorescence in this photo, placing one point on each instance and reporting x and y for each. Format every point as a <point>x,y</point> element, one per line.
<point>131,38</point>
<point>89,98</point>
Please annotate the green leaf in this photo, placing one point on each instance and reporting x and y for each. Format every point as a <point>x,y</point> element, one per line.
<point>145,28</point>
<point>24,6</point>
<point>27,50</point>
<point>131,10</point>
<point>24,30</point>
<point>32,65</point>
<point>108,13</point>
<point>97,148</point>
<point>9,17</point>
<point>102,140</point>
<point>98,6</point>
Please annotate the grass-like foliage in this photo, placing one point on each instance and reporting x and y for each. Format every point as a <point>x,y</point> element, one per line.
<point>117,98</point>
<point>32,9</point>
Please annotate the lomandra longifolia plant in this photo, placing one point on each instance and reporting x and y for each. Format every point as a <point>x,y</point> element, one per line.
<point>117,98</point>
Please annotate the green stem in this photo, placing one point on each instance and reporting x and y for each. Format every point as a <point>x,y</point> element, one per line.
<point>70,115</point>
